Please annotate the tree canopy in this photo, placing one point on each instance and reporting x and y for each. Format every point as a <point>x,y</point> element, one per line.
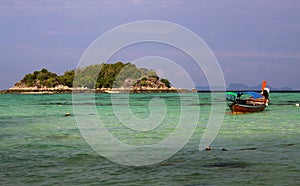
<point>41,78</point>
<point>96,76</point>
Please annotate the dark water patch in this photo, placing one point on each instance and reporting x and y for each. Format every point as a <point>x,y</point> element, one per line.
<point>200,104</point>
<point>283,104</point>
<point>232,164</point>
<point>290,144</point>
<point>82,157</point>
<point>286,145</point>
<point>62,136</point>
<point>19,119</point>
<point>78,156</point>
<point>137,103</point>
<point>250,148</point>
<point>97,104</point>
<point>55,103</point>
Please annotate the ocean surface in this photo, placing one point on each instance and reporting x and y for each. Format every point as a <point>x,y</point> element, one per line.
<point>39,145</point>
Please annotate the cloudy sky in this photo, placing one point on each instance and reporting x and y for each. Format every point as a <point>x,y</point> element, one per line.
<point>252,40</point>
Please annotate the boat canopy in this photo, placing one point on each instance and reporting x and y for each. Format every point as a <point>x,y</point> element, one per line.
<point>231,93</point>
<point>255,95</point>
<point>231,96</point>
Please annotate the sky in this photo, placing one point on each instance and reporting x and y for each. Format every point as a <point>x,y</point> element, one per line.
<point>252,40</point>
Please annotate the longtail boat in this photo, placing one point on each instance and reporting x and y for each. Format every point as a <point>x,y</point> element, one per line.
<point>247,102</point>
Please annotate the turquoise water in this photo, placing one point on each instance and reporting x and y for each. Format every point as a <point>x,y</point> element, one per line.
<point>41,146</point>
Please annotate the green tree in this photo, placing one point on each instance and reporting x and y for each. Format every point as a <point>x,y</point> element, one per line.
<point>51,82</point>
<point>108,74</point>
<point>166,82</point>
<point>87,76</point>
<point>40,76</point>
<point>28,80</point>
<point>67,78</point>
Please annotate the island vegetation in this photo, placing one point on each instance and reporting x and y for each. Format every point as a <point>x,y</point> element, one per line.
<point>102,77</point>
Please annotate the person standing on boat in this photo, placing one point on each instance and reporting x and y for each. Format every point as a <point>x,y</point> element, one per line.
<point>265,93</point>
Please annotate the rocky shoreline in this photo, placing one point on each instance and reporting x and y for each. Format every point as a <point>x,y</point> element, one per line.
<point>68,90</point>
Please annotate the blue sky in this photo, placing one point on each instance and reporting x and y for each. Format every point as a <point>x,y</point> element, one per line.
<point>252,40</point>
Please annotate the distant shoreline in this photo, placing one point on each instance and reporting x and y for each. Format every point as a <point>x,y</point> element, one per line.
<point>98,90</point>
<point>272,91</point>
<point>122,90</point>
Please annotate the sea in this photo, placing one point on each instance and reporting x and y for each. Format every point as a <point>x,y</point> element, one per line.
<point>41,143</point>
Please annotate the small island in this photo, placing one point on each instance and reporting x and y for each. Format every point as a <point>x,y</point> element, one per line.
<point>99,78</point>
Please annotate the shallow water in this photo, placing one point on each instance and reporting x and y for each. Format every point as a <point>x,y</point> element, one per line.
<point>41,146</point>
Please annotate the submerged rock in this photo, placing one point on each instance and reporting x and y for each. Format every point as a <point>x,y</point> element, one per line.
<point>232,164</point>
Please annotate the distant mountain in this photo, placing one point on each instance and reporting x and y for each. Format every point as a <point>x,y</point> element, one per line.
<point>239,86</point>
<point>206,88</point>
<point>242,87</point>
<point>286,88</point>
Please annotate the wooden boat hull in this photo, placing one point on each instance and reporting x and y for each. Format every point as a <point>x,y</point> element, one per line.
<point>240,108</point>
